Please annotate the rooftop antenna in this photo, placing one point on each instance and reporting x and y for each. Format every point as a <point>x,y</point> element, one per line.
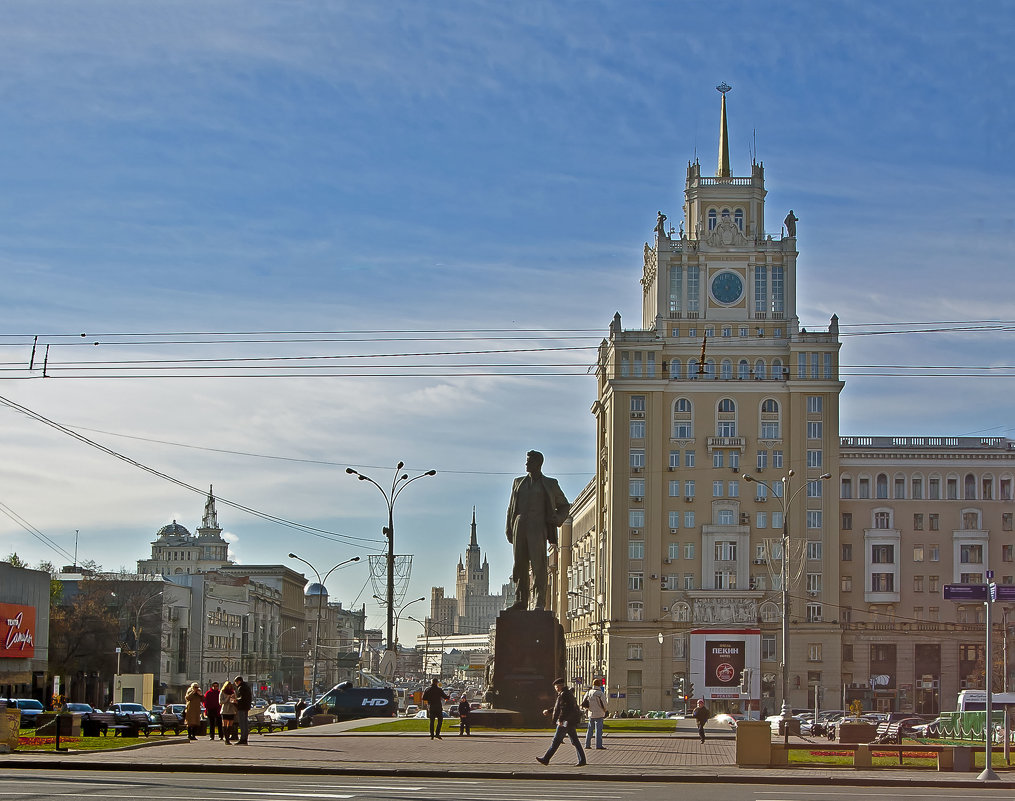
<point>75,550</point>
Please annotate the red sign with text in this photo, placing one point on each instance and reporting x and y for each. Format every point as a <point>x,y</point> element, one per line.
<point>17,631</point>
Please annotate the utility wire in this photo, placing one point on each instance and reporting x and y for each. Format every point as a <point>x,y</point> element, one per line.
<point>49,543</point>
<point>313,531</point>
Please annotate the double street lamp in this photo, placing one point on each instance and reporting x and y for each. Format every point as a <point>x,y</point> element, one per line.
<point>786,500</point>
<point>398,483</point>
<point>320,604</point>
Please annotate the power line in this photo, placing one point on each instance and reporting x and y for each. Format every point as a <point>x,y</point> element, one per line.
<point>313,531</point>
<point>49,543</point>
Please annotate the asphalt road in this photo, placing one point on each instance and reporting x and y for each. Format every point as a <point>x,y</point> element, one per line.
<point>30,785</point>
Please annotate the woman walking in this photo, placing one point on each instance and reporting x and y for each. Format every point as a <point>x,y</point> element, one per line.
<point>227,699</point>
<point>192,712</point>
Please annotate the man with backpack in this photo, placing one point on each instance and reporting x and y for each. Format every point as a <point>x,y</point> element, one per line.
<point>595,703</point>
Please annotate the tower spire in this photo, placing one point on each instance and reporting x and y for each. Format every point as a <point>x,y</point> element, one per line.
<point>472,540</point>
<point>724,143</point>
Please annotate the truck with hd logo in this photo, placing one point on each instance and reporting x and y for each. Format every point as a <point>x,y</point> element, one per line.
<point>346,702</point>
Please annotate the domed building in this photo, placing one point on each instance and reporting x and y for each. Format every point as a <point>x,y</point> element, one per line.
<point>176,551</point>
<point>342,630</point>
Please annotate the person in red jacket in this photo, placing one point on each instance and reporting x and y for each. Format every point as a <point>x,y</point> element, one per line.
<point>213,710</point>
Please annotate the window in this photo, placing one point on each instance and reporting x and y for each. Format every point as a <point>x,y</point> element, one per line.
<point>933,519</point>
<point>777,461</point>
<point>935,553</point>
<point>882,582</point>
<point>814,404</point>
<point>1006,521</point>
<point>689,489</point>
<point>971,578</point>
<point>769,653</point>
<point>776,519</point>
<point>864,488</point>
<point>635,549</point>
<point>673,550</point>
<point>971,554</point>
<point>970,521</point>
<point>1006,553</point>
<point>813,613</point>
<point>814,582</point>
<point>689,550</point>
<point>814,549</point>
<point>769,429</point>
<point>637,458</point>
<point>713,219</point>
<point>917,553</point>
<point>688,519</point>
<point>683,421</point>
<point>918,522</point>
<point>674,488</point>
<point>917,485</point>
<point>674,519</point>
<point>688,458</point>
<point>814,652</point>
<point>725,551</point>
<point>674,460</point>
<point>637,403</point>
<point>717,458</point>
<point>814,458</point>
<point>935,489</point>
<point>688,581</point>
<point>882,520</point>
<point>717,487</point>
<point>881,486</point>
<point>738,219</point>
<point>761,520</point>
<point>762,460</point>
<point>637,487</point>
<point>637,429</point>
<point>636,517</point>
<point>953,489</point>
<point>882,554</point>
<point>724,580</point>
<point>733,489</point>
<point>759,369</point>
<point>846,583</point>
<point>814,489</point>
<point>670,581</point>
<point>635,611</point>
<point>846,487</point>
<point>724,517</point>
<point>813,430</point>
<point>813,518</point>
<point>847,552</point>
<point>744,331</point>
<point>934,583</point>
<point>847,521</point>
<point>743,367</point>
<point>635,581</point>
<point>634,651</point>
<point>734,460</point>
<point>900,488</point>
<point>917,583</point>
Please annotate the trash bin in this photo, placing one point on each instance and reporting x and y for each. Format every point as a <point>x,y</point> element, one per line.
<point>754,743</point>
<point>10,725</point>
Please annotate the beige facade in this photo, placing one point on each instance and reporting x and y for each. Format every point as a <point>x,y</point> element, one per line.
<point>717,441</point>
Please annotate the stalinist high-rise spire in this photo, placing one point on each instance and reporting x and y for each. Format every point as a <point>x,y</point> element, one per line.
<point>724,143</point>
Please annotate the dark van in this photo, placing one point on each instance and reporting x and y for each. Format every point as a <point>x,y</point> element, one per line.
<point>346,702</point>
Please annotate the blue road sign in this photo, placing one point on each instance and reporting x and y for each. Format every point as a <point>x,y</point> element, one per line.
<point>966,592</point>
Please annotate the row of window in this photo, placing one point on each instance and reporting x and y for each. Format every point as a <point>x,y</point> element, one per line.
<point>933,488</point>
<point>769,613</point>
<point>642,364</point>
<point>685,285</point>
<point>725,551</point>
<point>969,520</point>
<point>723,517</point>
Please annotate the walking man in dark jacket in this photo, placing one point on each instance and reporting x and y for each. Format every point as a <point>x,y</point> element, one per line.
<point>244,699</point>
<point>566,716</point>
<point>434,698</point>
<point>213,710</point>
<point>700,715</point>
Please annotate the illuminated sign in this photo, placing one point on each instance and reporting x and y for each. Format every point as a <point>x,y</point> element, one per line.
<point>17,631</point>
<point>724,662</point>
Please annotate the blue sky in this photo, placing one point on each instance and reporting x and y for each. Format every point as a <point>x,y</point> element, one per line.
<point>453,166</point>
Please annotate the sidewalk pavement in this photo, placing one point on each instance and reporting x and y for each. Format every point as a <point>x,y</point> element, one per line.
<point>677,757</point>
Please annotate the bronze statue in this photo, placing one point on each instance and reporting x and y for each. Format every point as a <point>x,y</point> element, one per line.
<point>791,221</point>
<point>538,507</point>
<point>661,224</point>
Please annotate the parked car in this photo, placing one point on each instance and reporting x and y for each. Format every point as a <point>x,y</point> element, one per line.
<point>129,711</point>
<point>30,711</point>
<point>281,713</point>
<point>259,703</point>
<point>411,710</point>
<point>81,709</point>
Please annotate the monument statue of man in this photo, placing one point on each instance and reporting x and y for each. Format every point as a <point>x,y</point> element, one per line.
<point>790,222</point>
<point>537,508</point>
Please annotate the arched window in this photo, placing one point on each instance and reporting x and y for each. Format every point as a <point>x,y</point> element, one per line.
<point>881,486</point>
<point>738,218</point>
<point>969,488</point>
<point>635,610</point>
<point>675,368</point>
<point>771,424</point>
<point>683,419</point>
<point>726,370</point>
<point>987,483</point>
<point>692,368</point>
<point>709,368</point>
<point>725,214</point>
<point>759,369</point>
<point>726,418</point>
<point>744,370</point>
<point>712,219</point>
<point>777,371</point>
<point>769,613</point>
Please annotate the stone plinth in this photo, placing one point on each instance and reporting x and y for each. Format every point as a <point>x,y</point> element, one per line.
<point>528,655</point>
<point>496,719</point>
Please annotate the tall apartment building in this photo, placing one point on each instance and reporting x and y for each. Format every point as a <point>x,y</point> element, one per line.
<point>717,440</point>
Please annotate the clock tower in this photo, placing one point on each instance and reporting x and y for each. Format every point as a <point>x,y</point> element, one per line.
<point>716,424</point>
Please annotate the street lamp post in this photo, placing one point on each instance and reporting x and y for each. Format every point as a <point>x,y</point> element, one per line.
<point>278,653</point>
<point>786,501</point>
<point>426,646</point>
<point>398,483</point>
<point>598,623</point>
<point>320,603</point>
<point>401,609</point>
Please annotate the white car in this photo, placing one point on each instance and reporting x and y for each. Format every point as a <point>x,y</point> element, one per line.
<point>281,713</point>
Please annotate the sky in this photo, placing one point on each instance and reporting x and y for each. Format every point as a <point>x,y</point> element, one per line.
<point>261,242</point>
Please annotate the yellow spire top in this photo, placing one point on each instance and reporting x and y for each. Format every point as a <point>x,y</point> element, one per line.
<point>724,143</point>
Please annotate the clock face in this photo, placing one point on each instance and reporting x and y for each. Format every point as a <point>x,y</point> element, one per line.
<point>727,288</point>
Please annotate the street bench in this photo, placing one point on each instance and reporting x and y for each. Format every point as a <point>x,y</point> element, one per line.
<point>888,733</point>
<point>95,723</point>
<point>167,721</point>
<point>259,722</point>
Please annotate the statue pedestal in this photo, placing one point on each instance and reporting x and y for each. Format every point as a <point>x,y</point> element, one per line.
<point>528,654</point>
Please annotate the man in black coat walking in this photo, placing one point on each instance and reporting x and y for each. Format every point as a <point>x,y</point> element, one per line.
<point>434,698</point>
<point>566,715</point>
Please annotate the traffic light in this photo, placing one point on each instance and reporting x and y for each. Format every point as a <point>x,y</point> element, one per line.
<point>680,687</point>
<point>690,691</point>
